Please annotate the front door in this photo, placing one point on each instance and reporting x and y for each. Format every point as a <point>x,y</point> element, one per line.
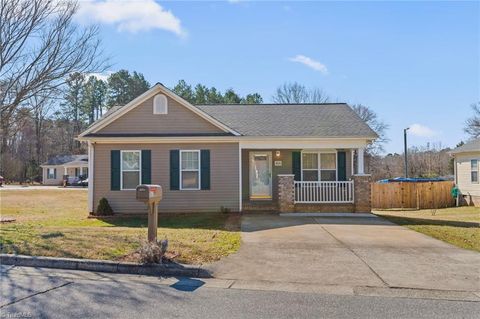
<point>260,175</point>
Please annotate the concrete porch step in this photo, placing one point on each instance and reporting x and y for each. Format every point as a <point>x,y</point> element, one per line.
<point>256,206</point>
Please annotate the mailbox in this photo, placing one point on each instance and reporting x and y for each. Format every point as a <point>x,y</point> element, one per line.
<point>149,193</point>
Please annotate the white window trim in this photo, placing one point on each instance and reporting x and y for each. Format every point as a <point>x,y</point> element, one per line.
<point>191,170</point>
<point>48,172</point>
<point>130,170</point>
<point>478,171</point>
<point>319,168</point>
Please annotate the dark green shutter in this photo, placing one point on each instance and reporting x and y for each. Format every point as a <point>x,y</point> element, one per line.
<point>342,165</point>
<point>296,165</point>
<point>115,170</point>
<point>146,167</point>
<point>54,173</point>
<point>205,169</point>
<point>174,169</point>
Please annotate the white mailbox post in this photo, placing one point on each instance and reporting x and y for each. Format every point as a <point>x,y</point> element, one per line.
<point>151,195</point>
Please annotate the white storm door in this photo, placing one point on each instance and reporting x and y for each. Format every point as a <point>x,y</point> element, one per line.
<point>260,175</point>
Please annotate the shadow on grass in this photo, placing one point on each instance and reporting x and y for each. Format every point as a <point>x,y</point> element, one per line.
<point>52,235</point>
<point>429,222</point>
<point>211,221</point>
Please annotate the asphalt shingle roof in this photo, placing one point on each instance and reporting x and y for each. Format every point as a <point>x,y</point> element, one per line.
<point>64,159</point>
<point>318,120</point>
<point>470,146</point>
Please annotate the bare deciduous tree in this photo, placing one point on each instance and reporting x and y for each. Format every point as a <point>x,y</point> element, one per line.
<point>39,46</point>
<point>380,127</point>
<point>473,124</point>
<point>293,93</point>
<point>41,107</point>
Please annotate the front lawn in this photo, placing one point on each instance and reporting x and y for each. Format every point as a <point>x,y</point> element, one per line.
<point>54,223</point>
<point>458,226</point>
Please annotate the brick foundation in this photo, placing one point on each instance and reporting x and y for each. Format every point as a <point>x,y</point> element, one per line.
<point>325,208</point>
<point>362,193</point>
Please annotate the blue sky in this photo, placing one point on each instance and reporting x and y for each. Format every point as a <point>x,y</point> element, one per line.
<point>415,63</point>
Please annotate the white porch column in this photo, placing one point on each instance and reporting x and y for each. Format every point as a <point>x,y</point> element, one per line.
<point>81,170</point>
<point>65,171</point>
<point>91,154</point>
<point>360,161</point>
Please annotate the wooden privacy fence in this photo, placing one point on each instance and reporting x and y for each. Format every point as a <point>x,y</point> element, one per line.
<point>413,195</point>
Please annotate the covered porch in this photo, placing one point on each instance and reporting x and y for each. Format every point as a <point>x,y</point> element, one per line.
<point>314,178</point>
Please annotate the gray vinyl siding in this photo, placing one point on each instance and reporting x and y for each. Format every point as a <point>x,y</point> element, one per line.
<point>224,179</point>
<point>286,168</point>
<point>178,120</point>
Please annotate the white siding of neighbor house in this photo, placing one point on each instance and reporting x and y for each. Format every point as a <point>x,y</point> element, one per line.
<point>60,173</point>
<point>463,170</point>
<point>53,181</point>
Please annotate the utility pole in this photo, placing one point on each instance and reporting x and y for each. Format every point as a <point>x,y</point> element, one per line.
<point>405,150</point>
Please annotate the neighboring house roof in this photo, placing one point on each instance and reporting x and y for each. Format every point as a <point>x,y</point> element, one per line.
<point>67,160</point>
<point>318,120</point>
<point>470,146</point>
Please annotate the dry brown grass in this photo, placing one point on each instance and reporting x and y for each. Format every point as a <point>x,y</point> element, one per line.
<point>56,223</point>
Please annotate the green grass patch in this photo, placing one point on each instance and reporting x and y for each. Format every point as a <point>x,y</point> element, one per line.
<point>458,226</point>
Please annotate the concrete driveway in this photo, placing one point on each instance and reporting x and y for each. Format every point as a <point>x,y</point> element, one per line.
<point>344,251</point>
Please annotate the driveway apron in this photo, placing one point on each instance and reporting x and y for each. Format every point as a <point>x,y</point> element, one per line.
<point>344,251</point>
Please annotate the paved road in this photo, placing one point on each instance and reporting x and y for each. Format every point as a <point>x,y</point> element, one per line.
<point>359,251</point>
<point>45,293</point>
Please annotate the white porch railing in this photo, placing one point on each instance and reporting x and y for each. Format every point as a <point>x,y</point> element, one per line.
<point>324,192</point>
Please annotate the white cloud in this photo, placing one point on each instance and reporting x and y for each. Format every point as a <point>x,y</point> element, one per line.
<point>422,130</point>
<point>100,76</point>
<point>130,16</point>
<point>311,63</point>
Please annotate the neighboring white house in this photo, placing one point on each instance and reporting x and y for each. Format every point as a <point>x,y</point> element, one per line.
<point>57,167</point>
<point>467,172</point>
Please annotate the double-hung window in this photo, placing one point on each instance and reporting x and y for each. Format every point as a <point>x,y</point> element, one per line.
<point>328,167</point>
<point>317,166</point>
<point>130,169</point>
<point>190,170</point>
<point>474,171</point>
<point>310,167</point>
<point>51,173</point>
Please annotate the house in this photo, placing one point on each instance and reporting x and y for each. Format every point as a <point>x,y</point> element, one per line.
<point>467,171</point>
<point>229,157</point>
<point>54,170</point>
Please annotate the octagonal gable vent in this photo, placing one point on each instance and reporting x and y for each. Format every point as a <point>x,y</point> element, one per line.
<point>160,104</point>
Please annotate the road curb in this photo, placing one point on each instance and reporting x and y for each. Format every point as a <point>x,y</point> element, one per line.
<point>172,269</point>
